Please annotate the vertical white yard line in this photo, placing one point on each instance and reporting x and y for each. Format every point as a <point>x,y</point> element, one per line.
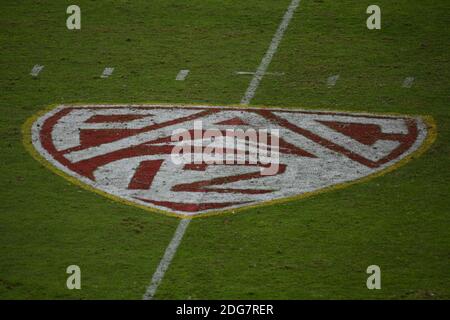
<point>270,53</point>
<point>167,258</point>
<point>184,223</point>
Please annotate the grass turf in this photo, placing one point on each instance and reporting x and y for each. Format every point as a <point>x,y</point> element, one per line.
<point>312,248</point>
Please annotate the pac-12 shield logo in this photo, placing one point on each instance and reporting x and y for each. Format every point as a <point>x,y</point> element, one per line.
<point>154,156</point>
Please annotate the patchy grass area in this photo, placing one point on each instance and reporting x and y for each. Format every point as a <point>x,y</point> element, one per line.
<point>313,248</point>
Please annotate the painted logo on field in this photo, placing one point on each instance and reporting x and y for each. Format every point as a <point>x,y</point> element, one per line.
<point>126,151</point>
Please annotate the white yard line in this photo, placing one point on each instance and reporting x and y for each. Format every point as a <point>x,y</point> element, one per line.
<point>245,73</point>
<point>184,223</point>
<point>270,53</point>
<point>165,262</point>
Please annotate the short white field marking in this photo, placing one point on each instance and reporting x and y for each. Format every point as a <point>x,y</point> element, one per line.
<point>331,82</point>
<point>36,69</point>
<point>165,262</point>
<point>182,226</point>
<point>267,73</point>
<point>182,75</point>
<point>107,72</point>
<point>408,82</point>
<point>270,53</point>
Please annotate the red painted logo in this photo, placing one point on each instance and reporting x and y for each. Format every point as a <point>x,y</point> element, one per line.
<point>126,152</point>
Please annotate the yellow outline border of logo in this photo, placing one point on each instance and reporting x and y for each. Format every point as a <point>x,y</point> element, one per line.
<point>26,139</point>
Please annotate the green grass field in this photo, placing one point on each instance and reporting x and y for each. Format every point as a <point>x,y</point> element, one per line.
<point>317,247</point>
